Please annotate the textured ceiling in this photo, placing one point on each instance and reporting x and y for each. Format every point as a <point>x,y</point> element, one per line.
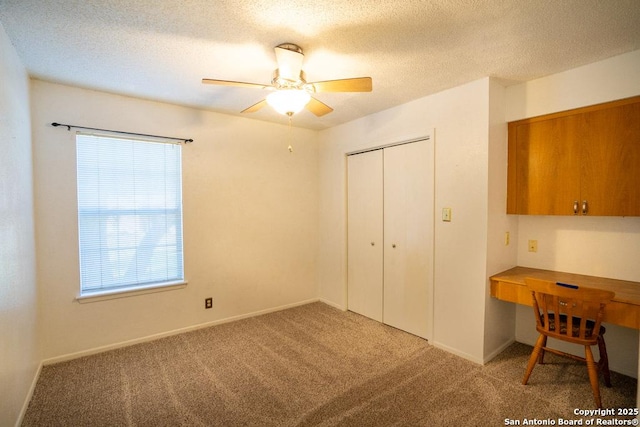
<point>161,49</point>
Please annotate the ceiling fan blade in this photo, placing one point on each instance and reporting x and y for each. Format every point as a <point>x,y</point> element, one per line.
<point>232,83</point>
<point>318,108</point>
<point>255,107</point>
<point>358,84</point>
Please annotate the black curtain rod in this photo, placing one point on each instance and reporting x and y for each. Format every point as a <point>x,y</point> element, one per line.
<point>186,141</point>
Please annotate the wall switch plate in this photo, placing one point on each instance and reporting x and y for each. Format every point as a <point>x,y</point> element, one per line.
<point>507,238</point>
<point>533,246</point>
<point>446,214</point>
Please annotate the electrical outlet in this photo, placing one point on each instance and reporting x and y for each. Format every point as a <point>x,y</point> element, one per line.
<point>208,302</point>
<point>533,246</point>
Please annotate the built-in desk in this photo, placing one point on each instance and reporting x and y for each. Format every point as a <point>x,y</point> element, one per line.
<point>624,310</point>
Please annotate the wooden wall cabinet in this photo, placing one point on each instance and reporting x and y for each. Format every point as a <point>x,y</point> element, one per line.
<point>578,162</point>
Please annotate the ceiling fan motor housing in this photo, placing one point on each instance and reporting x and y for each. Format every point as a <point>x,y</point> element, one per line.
<point>289,57</point>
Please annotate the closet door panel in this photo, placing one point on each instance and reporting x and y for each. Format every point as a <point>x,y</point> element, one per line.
<point>408,236</point>
<point>365,245</point>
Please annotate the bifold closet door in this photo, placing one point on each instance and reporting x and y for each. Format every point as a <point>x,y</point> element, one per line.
<point>365,225</point>
<point>408,236</point>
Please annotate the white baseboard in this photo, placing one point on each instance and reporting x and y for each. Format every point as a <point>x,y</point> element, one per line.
<point>456,352</point>
<point>497,351</point>
<point>27,399</point>
<point>333,304</point>
<point>101,349</point>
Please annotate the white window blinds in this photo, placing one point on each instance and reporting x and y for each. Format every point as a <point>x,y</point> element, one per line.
<point>129,213</point>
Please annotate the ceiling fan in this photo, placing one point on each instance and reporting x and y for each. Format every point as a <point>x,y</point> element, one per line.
<point>290,91</point>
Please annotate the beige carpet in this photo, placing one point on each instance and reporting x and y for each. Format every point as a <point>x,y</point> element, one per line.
<point>308,366</point>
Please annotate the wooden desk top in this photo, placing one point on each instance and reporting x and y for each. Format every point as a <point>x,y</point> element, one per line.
<point>624,310</point>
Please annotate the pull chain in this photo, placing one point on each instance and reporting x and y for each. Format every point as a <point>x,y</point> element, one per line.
<point>289,132</point>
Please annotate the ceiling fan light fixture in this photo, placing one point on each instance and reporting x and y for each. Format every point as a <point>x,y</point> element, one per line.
<point>288,101</point>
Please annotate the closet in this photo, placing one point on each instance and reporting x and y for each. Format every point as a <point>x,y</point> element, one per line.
<point>390,235</point>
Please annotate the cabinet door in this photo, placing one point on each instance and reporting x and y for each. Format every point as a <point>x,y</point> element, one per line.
<point>408,237</point>
<point>544,166</point>
<point>610,174</point>
<point>365,245</point>
<point>590,154</point>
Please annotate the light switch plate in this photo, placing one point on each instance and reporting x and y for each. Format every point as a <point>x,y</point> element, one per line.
<point>446,214</point>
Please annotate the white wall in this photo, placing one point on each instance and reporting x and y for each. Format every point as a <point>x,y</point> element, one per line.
<point>598,246</point>
<point>460,119</point>
<point>19,349</point>
<point>499,315</point>
<point>250,218</point>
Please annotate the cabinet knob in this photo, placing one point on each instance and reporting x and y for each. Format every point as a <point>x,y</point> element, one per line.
<point>575,207</point>
<point>585,207</point>
<point>373,243</point>
<point>393,246</point>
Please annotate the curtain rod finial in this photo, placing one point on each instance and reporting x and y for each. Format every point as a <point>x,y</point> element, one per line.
<point>54,124</point>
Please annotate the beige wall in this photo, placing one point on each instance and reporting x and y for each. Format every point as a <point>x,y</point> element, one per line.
<point>598,246</point>
<point>250,218</point>
<point>19,347</point>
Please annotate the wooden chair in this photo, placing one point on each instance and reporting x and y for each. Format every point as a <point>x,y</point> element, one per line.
<point>573,314</point>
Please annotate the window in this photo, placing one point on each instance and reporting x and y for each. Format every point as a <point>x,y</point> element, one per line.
<point>129,214</point>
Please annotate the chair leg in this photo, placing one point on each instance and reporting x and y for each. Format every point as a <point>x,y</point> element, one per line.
<point>534,357</point>
<point>542,352</point>
<point>593,375</point>
<point>603,364</point>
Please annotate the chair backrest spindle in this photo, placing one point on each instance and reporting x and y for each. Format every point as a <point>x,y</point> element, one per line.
<point>568,312</point>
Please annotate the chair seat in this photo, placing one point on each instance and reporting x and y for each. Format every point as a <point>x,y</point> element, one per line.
<point>575,327</point>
